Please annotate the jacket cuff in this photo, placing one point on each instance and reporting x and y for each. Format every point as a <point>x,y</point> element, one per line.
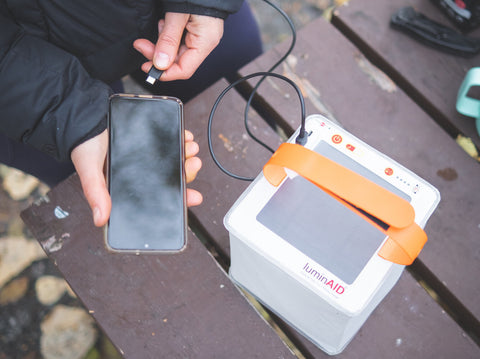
<point>101,126</point>
<point>187,8</point>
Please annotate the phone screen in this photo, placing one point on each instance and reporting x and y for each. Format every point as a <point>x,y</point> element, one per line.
<point>146,177</point>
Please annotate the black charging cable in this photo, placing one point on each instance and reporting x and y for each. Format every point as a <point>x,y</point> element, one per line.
<point>283,58</point>
<point>302,136</point>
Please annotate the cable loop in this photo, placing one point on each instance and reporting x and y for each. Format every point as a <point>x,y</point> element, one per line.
<point>224,92</point>
<point>301,139</point>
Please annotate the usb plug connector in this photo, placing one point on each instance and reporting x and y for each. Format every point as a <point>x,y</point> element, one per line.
<point>153,75</point>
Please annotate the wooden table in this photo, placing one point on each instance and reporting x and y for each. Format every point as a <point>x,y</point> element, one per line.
<point>185,305</point>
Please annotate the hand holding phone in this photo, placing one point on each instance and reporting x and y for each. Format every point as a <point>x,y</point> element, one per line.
<point>89,159</point>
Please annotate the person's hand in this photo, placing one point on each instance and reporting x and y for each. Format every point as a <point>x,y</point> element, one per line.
<point>89,160</point>
<point>180,59</point>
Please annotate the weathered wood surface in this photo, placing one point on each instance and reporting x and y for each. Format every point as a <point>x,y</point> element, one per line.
<point>234,150</point>
<point>430,76</point>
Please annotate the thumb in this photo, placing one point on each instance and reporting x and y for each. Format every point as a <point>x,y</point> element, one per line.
<point>169,39</point>
<point>96,193</point>
<point>88,159</point>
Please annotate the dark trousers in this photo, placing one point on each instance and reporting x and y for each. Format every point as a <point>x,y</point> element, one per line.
<point>240,44</point>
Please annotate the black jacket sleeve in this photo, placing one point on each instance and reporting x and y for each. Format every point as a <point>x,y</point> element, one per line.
<point>48,100</point>
<point>214,8</point>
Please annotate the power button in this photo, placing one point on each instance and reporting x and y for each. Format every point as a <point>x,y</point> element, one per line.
<point>336,139</point>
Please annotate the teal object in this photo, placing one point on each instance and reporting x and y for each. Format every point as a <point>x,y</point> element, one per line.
<point>466,105</point>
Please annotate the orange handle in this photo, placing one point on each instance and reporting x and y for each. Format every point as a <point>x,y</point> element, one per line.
<point>406,238</point>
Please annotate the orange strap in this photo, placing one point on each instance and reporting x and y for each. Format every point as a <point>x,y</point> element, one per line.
<point>406,238</point>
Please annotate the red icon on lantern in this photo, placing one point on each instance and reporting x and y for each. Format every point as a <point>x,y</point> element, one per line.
<point>336,139</point>
<point>388,171</point>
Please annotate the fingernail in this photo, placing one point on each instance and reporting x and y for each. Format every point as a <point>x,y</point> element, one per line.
<point>96,214</point>
<point>161,61</point>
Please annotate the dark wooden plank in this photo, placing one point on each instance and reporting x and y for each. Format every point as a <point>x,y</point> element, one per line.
<point>151,306</point>
<point>432,77</point>
<point>234,150</point>
<point>409,324</point>
<point>339,82</point>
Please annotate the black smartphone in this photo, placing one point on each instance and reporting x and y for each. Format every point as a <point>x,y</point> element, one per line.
<point>146,174</point>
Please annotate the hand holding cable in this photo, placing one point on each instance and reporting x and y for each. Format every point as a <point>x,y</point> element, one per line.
<point>184,41</point>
